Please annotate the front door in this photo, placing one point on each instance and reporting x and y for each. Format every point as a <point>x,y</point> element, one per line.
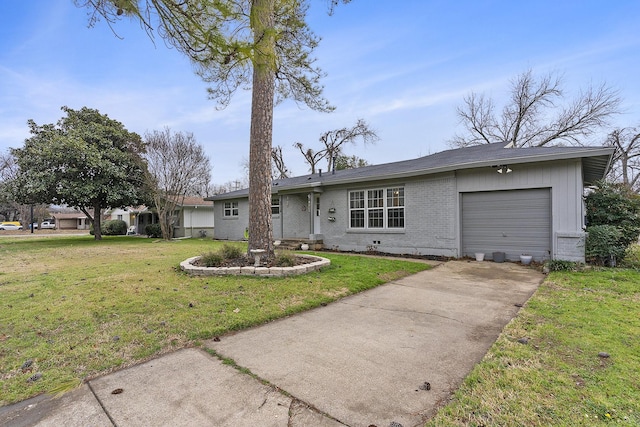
<point>316,215</point>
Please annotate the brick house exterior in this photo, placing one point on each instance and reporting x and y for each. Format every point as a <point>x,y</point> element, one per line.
<point>454,203</point>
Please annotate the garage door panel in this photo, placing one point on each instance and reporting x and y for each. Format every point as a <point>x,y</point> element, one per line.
<point>514,222</point>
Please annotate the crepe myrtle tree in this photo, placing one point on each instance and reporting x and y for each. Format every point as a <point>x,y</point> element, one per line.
<point>264,44</point>
<point>177,167</point>
<point>85,160</point>
<point>536,114</point>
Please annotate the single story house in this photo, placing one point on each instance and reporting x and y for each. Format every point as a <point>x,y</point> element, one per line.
<point>127,214</point>
<point>481,199</point>
<point>71,221</point>
<point>193,218</point>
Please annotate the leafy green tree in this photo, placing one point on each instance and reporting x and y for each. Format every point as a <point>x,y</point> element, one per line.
<point>86,160</point>
<point>614,204</point>
<point>236,43</point>
<point>349,162</point>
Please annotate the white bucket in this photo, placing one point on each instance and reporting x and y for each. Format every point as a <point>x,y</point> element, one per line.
<point>479,256</point>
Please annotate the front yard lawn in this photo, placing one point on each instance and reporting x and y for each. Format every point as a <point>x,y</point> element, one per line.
<point>72,308</point>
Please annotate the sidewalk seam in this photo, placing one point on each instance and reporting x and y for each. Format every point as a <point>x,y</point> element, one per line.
<point>101,405</point>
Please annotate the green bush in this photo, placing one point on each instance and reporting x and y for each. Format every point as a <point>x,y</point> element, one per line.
<point>605,245</point>
<point>562,265</point>
<point>231,252</point>
<point>114,227</point>
<point>632,257</point>
<point>614,205</point>
<point>212,259</point>
<point>153,230</point>
<point>285,259</point>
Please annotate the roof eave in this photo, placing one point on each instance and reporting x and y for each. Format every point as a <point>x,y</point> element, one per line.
<point>461,166</point>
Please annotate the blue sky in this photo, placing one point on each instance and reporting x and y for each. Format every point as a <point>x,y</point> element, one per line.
<point>403,66</point>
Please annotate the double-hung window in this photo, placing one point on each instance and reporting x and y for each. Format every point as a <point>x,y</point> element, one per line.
<point>356,209</point>
<point>395,207</point>
<point>230,209</point>
<point>275,205</point>
<point>380,208</point>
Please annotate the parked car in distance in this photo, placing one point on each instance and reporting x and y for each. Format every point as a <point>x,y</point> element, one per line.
<point>9,226</point>
<point>44,225</point>
<point>47,224</point>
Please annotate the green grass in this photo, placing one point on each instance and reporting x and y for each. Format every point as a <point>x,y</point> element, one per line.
<point>78,308</point>
<point>558,378</point>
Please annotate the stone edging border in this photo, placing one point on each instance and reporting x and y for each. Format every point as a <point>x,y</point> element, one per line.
<point>188,267</point>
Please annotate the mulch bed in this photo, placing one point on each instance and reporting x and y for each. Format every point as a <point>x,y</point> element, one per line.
<point>246,261</point>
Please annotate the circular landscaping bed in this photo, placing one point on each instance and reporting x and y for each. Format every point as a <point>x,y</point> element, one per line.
<point>245,266</point>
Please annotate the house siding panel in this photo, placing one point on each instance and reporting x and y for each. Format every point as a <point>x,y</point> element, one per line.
<point>294,223</point>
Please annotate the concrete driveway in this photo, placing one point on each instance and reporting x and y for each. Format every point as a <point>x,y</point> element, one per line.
<point>361,361</point>
<point>365,359</point>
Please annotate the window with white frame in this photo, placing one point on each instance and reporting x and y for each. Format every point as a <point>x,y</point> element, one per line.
<point>230,209</point>
<point>275,205</point>
<point>378,208</point>
<point>395,207</point>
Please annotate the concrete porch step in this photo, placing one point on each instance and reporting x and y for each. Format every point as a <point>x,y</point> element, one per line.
<point>294,244</point>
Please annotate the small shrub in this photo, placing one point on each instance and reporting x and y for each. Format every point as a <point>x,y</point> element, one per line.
<point>632,257</point>
<point>212,259</point>
<point>114,227</point>
<point>604,245</point>
<point>561,265</point>
<point>153,230</point>
<point>285,259</point>
<point>231,252</point>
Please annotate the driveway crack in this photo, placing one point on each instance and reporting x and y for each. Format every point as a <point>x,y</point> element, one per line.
<point>397,310</point>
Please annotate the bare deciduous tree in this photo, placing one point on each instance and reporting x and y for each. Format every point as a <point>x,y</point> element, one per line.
<point>626,161</point>
<point>534,115</point>
<point>334,141</point>
<point>310,156</point>
<point>279,169</point>
<point>177,167</point>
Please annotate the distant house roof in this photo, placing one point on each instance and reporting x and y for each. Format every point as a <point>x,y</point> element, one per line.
<point>595,162</point>
<point>74,215</point>
<point>193,201</point>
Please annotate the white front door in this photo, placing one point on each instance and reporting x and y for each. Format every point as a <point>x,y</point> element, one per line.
<point>316,215</point>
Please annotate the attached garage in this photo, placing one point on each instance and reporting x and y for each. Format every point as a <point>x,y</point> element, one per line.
<point>515,222</point>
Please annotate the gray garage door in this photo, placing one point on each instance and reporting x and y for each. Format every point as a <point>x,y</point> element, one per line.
<point>515,222</point>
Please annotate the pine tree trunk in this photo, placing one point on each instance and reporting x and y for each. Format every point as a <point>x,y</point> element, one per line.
<point>260,226</point>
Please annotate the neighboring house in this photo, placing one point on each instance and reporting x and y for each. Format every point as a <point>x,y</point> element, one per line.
<point>127,215</point>
<point>194,218</point>
<point>487,198</point>
<point>71,221</point>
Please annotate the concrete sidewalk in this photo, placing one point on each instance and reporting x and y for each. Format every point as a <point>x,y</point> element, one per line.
<point>364,360</point>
